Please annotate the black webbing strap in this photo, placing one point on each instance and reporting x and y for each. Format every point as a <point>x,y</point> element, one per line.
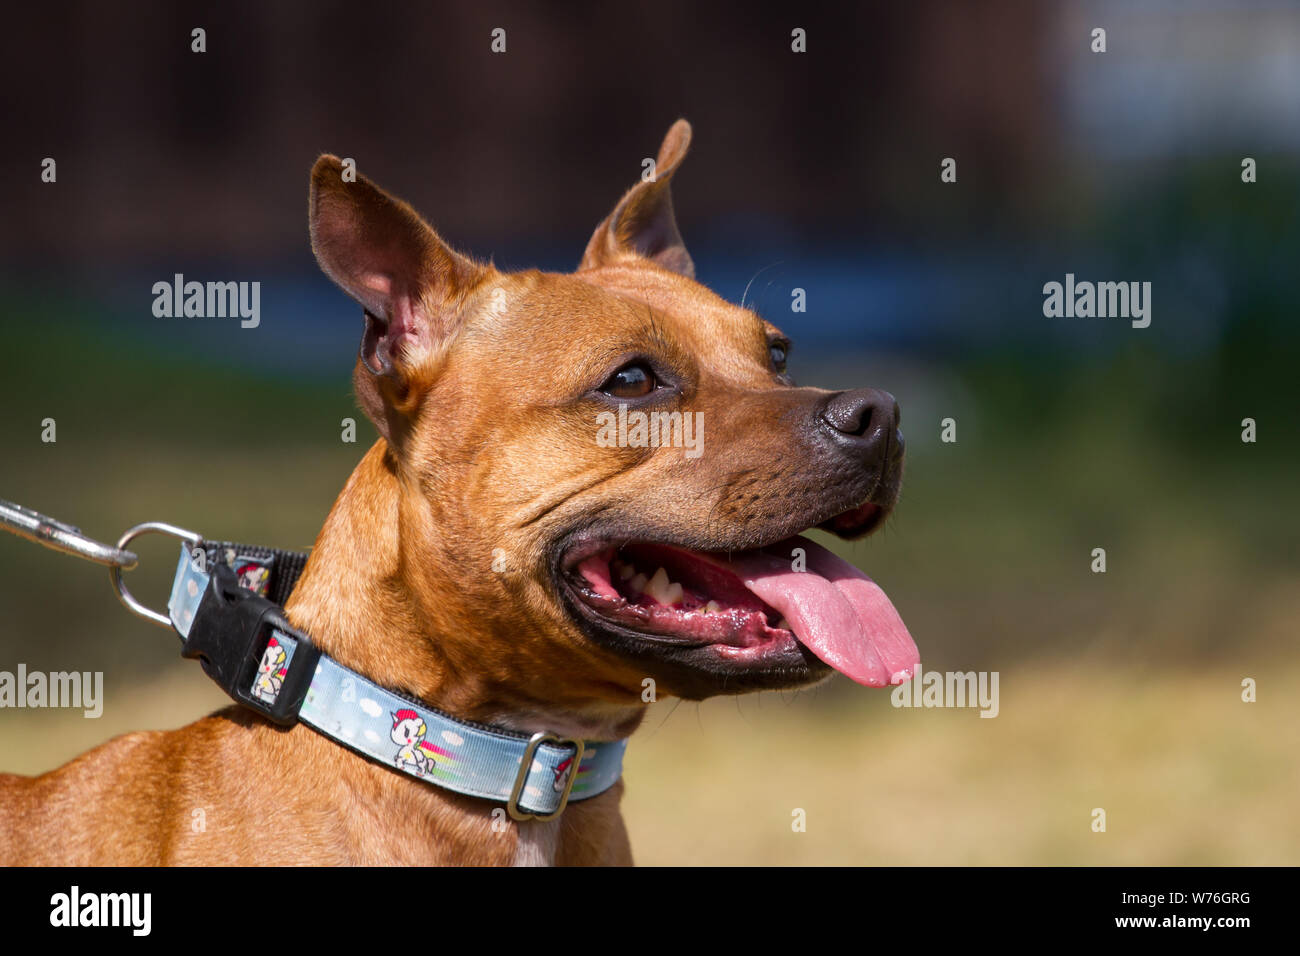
<point>284,566</point>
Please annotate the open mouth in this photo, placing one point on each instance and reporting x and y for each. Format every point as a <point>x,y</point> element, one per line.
<point>748,607</point>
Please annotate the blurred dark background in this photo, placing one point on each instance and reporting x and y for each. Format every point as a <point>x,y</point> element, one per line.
<point>817,171</point>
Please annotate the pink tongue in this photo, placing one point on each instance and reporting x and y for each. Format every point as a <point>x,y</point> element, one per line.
<point>835,610</point>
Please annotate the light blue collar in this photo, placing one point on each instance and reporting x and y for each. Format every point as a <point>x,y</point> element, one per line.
<point>533,776</point>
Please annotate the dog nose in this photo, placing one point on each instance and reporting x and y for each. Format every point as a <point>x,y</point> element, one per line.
<point>865,422</point>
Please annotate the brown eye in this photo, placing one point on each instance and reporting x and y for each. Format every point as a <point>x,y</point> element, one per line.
<point>631,381</point>
<point>778,353</point>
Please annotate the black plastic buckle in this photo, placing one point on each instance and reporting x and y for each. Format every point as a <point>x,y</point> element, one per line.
<point>231,629</point>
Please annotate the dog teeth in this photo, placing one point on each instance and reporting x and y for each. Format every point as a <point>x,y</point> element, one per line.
<point>713,606</point>
<point>625,571</point>
<point>663,590</point>
<point>637,584</point>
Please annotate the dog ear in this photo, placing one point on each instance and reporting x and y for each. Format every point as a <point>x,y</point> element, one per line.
<point>411,284</point>
<point>643,223</point>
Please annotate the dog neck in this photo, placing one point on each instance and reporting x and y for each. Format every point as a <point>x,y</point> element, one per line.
<point>359,602</point>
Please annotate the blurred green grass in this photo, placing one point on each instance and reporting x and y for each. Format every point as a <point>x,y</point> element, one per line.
<point>1186,772</point>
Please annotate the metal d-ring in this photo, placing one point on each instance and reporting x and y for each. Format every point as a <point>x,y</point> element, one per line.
<point>115,572</point>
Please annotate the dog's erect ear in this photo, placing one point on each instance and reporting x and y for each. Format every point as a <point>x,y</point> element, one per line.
<point>643,223</point>
<point>410,283</point>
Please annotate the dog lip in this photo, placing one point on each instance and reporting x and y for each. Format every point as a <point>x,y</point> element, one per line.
<point>577,548</point>
<point>735,619</point>
<point>870,514</point>
<point>651,637</point>
<point>856,522</point>
<point>703,668</point>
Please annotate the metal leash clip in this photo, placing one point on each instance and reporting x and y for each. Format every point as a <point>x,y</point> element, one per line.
<point>67,539</point>
<point>58,536</point>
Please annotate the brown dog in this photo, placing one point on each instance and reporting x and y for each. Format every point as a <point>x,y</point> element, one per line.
<point>497,552</point>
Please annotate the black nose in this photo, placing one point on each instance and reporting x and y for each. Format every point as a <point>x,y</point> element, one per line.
<point>865,423</point>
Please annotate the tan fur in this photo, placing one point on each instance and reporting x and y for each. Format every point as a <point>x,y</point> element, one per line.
<point>475,379</point>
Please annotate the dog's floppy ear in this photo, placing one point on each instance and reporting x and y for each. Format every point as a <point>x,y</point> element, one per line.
<point>643,223</point>
<point>410,283</point>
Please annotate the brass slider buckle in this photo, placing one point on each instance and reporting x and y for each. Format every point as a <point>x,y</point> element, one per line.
<point>526,766</point>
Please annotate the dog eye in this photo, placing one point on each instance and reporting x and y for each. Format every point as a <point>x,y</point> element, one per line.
<point>631,381</point>
<point>778,352</point>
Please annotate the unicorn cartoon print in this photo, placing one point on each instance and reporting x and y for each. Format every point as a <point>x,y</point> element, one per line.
<point>562,774</point>
<point>270,672</point>
<point>408,732</point>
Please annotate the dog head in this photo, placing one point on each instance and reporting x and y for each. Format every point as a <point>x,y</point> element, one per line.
<point>603,475</point>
